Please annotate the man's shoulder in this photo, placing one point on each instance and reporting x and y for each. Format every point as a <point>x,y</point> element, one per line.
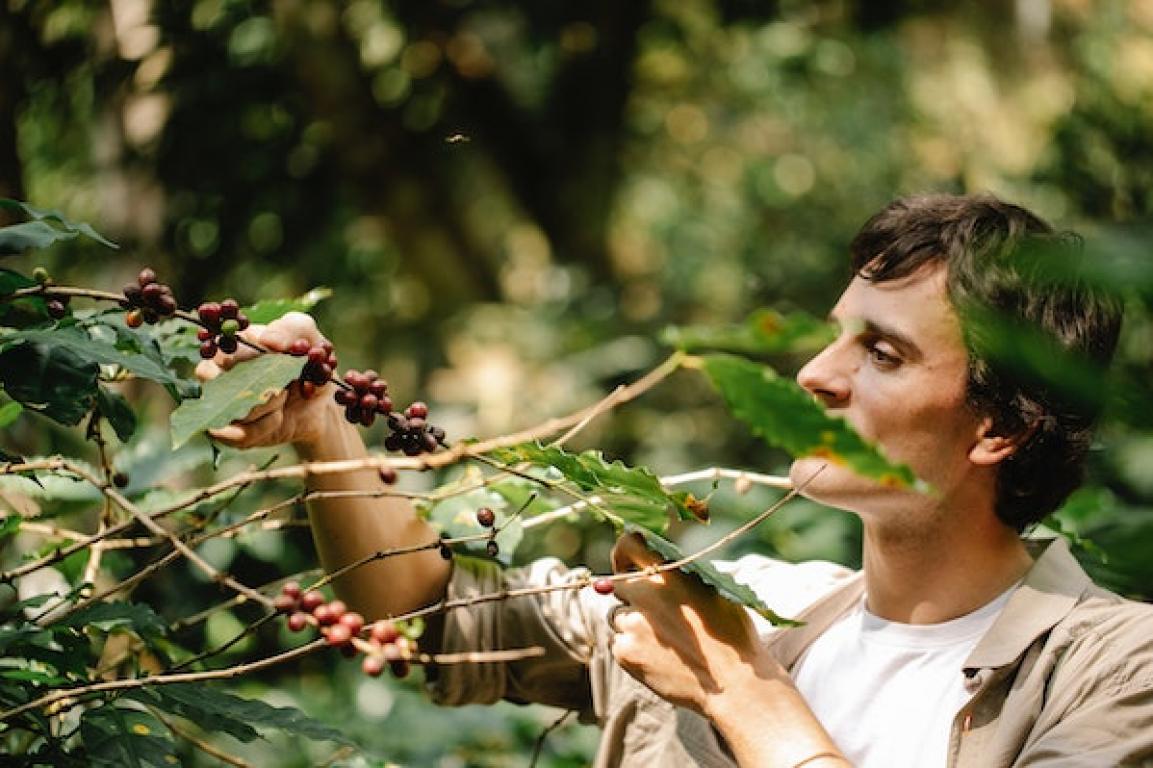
<point>1104,616</point>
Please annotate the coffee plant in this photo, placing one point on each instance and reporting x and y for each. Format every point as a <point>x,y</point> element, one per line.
<point>96,672</point>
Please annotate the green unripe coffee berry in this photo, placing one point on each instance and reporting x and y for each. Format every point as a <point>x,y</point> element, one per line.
<point>40,275</point>
<point>230,327</point>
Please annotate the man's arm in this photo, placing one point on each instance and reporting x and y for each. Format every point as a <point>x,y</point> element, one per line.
<point>700,651</point>
<point>345,529</point>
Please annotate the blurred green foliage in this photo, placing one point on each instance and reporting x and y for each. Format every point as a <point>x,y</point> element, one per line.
<point>510,201</point>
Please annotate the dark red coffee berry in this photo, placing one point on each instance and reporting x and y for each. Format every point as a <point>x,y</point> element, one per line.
<point>354,621</point>
<point>323,615</point>
<point>312,599</point>
<point>486,517</point>
<point>209,313</point>
<point>384,632</point>
<point>337,635</point>
<point>603,586</point>
<point>56,308</point>
<point>284,603</point>
<point>229,309</point>
<point>338,609</point>
<point>297,621</point>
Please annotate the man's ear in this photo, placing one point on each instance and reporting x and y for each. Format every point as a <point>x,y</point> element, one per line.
<point>993,445</point>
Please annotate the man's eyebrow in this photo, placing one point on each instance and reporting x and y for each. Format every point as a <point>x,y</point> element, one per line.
<point>900,340</point>
<point>859,326</point>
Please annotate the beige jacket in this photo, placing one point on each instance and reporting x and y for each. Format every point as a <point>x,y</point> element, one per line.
<point>1064,677</point>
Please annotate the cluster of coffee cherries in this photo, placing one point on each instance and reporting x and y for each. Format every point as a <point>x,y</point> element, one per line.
<point>221,321</point>
<point>147,300</point>
<point>385,646</point>
<point>320,366</point>
<point>366,396</point>
<point>411,432</point>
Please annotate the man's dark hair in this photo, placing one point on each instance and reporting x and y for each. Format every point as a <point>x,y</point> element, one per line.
<point>1001,261</point>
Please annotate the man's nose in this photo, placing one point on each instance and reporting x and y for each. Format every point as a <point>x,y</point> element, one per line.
<point>826,376</point>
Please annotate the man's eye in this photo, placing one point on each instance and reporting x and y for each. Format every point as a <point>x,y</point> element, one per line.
<point>882,358</point>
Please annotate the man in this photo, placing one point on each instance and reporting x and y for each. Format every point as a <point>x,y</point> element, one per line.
<point>959,643</point>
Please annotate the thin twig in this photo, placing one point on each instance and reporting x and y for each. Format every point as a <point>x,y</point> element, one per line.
<point>70,697</point>
<point>172,539</point>
<point>539,745</point>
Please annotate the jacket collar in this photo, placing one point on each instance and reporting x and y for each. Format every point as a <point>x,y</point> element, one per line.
<point>1051,588</point>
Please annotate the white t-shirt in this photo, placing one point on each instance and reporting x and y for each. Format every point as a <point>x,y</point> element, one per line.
<point>888,692</point>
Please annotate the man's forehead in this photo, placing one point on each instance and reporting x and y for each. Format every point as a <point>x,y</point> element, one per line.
<point>916,306</point>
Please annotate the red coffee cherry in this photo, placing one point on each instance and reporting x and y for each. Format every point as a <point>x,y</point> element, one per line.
<point>337,635</point>
<point>372,666</point>
<point>486,517</point>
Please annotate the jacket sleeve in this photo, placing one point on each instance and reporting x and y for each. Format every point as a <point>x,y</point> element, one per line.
<point>564,622</point>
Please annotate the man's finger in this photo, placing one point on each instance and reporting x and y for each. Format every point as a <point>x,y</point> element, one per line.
<point>631,554</point>
<point>249,434</point>
<point>207,370</point>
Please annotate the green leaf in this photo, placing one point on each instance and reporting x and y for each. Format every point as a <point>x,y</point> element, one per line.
<point>765,331</point>
<point>118,737</point>
<point>233,394</point>
<point>725,585</point>
<point>627,494</point>
<point>9,412</point>
<point>119,413</point>
<point>22,312</point>
<point>10,524</point>
<point>213,710</point>
<point>67,229</point>
<point>266,311</point>
<point>48,378</point>
<point>29,235</point>
<point>93,350</point>
<point>153,342</point>
<point>786,416</point>
<point>32,676</point>
<point>115,615</point>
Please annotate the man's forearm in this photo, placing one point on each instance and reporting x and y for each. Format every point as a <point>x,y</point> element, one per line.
<point>349,529</point>
<point>771,726</point>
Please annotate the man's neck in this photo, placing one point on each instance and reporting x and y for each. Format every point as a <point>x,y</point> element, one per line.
<point>943,574</point>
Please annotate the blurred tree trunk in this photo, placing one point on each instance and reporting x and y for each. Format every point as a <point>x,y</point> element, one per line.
<point>13,30</point>
<point>384,164</point>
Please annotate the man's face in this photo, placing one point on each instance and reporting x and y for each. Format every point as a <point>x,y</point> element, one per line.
<point>897,372</point>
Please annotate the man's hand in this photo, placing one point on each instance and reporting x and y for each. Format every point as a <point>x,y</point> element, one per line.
<point>682,639</point>
<point>289,417</point>
<point>698,650</point>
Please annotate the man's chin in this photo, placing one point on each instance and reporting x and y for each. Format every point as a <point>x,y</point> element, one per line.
<point>828,483</point>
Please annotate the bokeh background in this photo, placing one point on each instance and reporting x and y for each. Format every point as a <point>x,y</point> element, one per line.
<point>510,202</point>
